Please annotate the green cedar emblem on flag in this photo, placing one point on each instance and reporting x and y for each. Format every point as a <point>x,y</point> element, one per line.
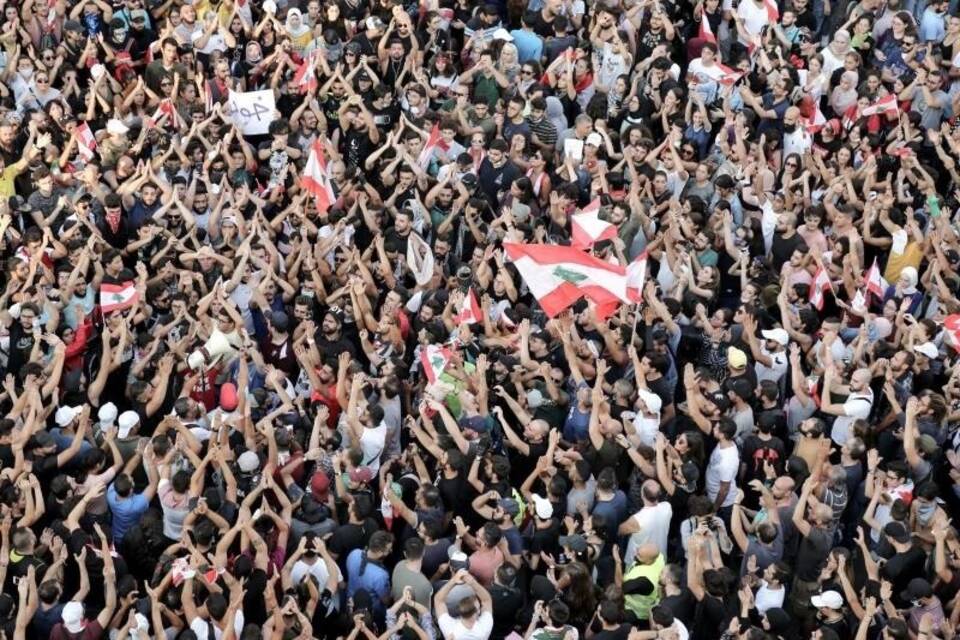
<point>570,276</point>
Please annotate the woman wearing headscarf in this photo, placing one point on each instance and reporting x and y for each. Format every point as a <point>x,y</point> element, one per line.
<point>844,95</point>
<point>298,30</point>
<point>905,288</point>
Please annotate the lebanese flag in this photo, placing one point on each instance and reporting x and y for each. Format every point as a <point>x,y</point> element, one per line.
<point>165,107</point>
<point>887,105</point>
<point>859,301</point>
<point>815,122</point>
<point>469,312</point>
<point>876,284</point>
<point>636,277</point>
<point>729,74</point>
<point>86,142</point>
<point>306,75</point>
<point>706,31</point>
<point>434,359</point>
<point>316,178</point>
<point>821,282</point>
<point>114,297</point>
<point>589,229</point>
<point>773,12</point>
<point>951,329</point>
<point>386,510</point>
<point>558,276</point>
<point>434,142</point>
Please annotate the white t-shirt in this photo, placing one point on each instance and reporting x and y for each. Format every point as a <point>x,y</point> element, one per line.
<point>202,628</point>
<point>754,18</point>
<point>723,467</point>
<point>767,598</point>
<point>654,523</point>
<point>319,571</point>
<point>453,629</point>
<point>856,407</point>
<point>372,442</point>
<point>777,368</point>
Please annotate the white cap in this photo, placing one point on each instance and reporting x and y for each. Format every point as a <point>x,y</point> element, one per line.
<point>777,335</point>
<point>107,414</point>
<point>126,422</point>
<point>66,415</point>
<point>97,70</point>
<point>828,599</point>
<point>651,400</point>
<point>927,349</point>
<point>72,616</point>
<point>195,360</point>
<point>248,462</point>
<point>542,507</point>
<point>117,128</point>
<point>595,139</point>
<point>502,34</point>
<point>270,6</point>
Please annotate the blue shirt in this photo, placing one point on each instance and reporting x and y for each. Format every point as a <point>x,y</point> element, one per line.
<point>529,45</point>
<point>126,511</point>
<point>931,26</point>
<point>374,578</point>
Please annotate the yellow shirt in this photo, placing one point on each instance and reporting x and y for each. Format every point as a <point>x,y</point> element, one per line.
<point>7,177</point>
<point>911,257</point>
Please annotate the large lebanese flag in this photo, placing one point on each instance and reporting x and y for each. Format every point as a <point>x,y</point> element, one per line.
<point>316,177</point>
<point>588,228</point>
<point>887,105</point>
<point>558,276</point>
<point>636,277</point>
<point>773,12</point>
<point>821,282</point>
<point>114,297</point>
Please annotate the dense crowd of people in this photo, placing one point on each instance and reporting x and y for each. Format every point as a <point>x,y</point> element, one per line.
<point>307,324</point>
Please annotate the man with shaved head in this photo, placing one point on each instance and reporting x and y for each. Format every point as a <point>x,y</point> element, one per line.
<point>858,404</point>
<point>651,524</point>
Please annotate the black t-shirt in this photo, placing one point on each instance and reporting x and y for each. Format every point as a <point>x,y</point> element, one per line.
<point>814,549</point>
<point>254,605</point>
<point>545,540</point>
<point>782,248</point>
<point>348,537</point>
<point>507,603</point>
<point>663,389</point>
<point>900,569</point>
<point>620,633</point>
<point>683,606</point>
<point>710,617</point>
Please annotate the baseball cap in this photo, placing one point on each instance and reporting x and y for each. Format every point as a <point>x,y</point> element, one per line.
<point>248,462</point>
<point>777,335</point>
<point>542,507</point>
<point>66,415</point>
<point>138,15</point>
<point>927,444</point>
<point>73,25</point>
<point>652,401</point>
<point>107,414</point>
<point>927,349</point>
<point>736,358</point>
<point>374,22</point>
<point>126,422</point>
<point>280,320</point>
<point>320,485</point>
<point>576,542</point>
<point>828,599</point>
<point>594,139</point>
<point>72,616</point>
<point>502,34</point>
<point>511,506</point>
<point>916,589</point>
<point>116,127</point>
<point>361,475</point>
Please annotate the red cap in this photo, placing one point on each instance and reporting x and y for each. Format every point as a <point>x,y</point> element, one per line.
<point>228,396</point>
<point>361,474</point>
<point>320,485</point>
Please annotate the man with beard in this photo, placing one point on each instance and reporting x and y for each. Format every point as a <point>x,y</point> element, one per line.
<point>497,172</point>
<point>330,339</point>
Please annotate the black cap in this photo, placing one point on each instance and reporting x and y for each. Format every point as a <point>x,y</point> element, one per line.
<point>280,320</point>
<point>918,588</point>
<point>724,182</point>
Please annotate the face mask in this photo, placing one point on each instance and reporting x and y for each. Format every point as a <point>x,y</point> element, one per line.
<point>789,128</point>
<point>306,293</point>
